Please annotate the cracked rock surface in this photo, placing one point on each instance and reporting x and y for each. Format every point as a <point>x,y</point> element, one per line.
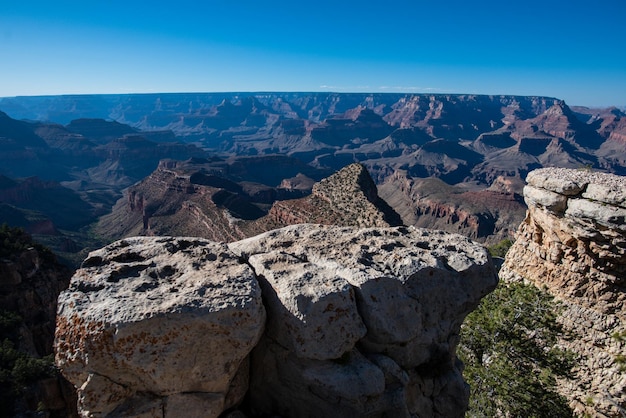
<point>154,322</point>
<point>360,322</point>
<point>573,242</point>
<point>363,322</point>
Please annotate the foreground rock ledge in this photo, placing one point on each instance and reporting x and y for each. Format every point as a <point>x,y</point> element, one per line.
<point>360,322</point>
<point>150,323</point>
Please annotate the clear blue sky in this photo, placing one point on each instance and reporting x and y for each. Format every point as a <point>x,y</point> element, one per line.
<point>568,49</point>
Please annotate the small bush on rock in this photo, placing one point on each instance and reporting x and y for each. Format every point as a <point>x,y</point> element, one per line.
<point>508,345</point>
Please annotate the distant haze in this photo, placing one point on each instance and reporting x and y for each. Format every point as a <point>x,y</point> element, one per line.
<point>570,49</point>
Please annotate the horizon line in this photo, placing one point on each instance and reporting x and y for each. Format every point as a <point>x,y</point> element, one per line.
<point>261,92</point>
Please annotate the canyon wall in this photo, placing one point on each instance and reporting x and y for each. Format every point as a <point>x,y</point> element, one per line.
<point>573,242</point>
<point>307,320</point>
<point>30,282</point>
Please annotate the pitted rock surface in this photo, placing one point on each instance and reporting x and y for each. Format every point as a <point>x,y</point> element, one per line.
<point>573,241</point>
<point>164,316</point>
<point>360,322</point>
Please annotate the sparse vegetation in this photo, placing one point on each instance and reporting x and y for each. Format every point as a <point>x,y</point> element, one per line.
<point>500,249</point>
<point>508,345</point>
<point>18,370</point>
<point>620,359</point>
<point>15,240</point>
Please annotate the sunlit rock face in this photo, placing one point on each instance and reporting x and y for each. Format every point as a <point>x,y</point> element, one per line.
<point>307,320</point>
<point>149,323</point>
<point>573,241</point>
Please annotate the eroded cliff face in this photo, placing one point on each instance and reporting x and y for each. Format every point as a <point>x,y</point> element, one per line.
<point>187,199</point>
<point>30,283</point>
<point>307,320</point>
<point>487,216</point>
<point>573,242</point>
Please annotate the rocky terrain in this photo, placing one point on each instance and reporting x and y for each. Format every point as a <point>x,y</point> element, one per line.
<point>483,136</point>
<point>56,180</point>
<point>488,215</point>
<point>309,319</point>
<point>195,198</point>
<point>98,145</point>
<point>226,166</point>
<point>573,242</point>
<point>30,282</point>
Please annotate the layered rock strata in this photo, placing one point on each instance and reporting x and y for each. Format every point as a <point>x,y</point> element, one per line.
<point>360,322</point>
<point>573,242</point>
<point>349,197</point>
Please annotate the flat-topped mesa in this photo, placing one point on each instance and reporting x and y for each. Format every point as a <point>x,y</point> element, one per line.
<point>360,322</point>
<point>573,241</point>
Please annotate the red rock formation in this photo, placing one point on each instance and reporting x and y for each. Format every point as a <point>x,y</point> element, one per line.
<point>485,215</point>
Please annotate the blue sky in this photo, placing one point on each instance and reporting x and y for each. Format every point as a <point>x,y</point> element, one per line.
<point>568,49</point>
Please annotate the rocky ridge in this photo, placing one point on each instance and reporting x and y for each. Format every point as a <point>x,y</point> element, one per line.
<point>348,198</point>
<point>305,320</point>
<point>109,142</point>
<point>573,242</point>
<point>490,136</point>
<point>182,198</point>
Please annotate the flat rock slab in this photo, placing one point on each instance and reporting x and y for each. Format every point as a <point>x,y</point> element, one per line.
<point>603,187</point>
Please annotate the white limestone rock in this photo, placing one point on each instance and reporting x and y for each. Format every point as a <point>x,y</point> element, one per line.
<point>313,308</point>
<point>559,180</point>
<point>412,289</point>
<point>579,256</point>
<point>552,201</point>
<point>612,193</point>
<point>595,213</point>
<point>158,315</point>
<point>360,322</point>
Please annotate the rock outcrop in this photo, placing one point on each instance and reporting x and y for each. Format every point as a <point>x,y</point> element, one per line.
<point>363,322</point>
<point>573,242</point>
<point>349,197</point>
<point>153,325</point>
<point>201,199</point>
<point>360,322</point>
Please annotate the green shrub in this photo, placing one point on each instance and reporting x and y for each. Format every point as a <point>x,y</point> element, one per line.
<point>500,249</point>
<point>18,370</point>
<point>620,359</point>
<point>13,241</point>
<point>508,345</point>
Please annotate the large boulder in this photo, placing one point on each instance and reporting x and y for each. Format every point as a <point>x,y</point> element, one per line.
<point>363,322</point>
<point>360,322</point>
<point>159,324</point>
